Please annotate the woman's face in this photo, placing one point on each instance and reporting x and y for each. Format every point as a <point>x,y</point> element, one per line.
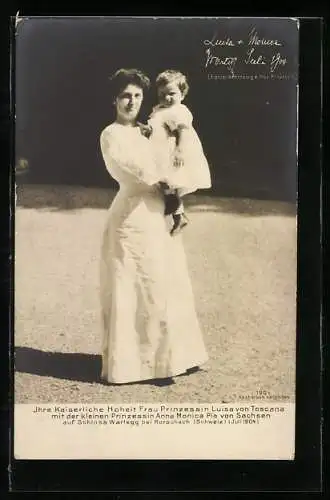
<point>128,103</point>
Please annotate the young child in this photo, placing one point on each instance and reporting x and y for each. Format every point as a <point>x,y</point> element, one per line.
<point>178,149</point>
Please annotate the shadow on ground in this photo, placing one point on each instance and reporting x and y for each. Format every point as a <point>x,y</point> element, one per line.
<point>59,198</point>
<point>76,367</point>
<point>69,366</point>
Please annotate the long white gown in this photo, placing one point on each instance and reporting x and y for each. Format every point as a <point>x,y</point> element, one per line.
<point>150,326</point>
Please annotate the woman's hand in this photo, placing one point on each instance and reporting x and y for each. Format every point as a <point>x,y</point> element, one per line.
<point>178,158</point>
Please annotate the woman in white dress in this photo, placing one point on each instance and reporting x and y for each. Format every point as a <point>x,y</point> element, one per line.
<point>150,326</point>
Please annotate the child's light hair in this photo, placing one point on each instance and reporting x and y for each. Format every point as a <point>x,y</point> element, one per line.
<point>170,76</point>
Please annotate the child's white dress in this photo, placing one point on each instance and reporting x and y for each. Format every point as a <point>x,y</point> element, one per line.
<point>194,173</point>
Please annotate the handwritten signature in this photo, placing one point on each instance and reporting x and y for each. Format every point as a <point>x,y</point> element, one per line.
<point>229,62</point>
<point>252,56</point>
<point>253,39</point>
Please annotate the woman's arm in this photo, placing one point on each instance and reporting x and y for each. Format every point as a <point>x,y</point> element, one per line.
<point>127,162</point>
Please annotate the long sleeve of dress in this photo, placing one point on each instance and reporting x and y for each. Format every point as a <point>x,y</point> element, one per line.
<point>128,157</point>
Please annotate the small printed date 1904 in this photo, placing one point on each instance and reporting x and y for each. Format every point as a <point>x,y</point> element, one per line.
<point>261,394</point>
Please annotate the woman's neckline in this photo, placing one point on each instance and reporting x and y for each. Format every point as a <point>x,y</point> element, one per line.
<point>126,126</point>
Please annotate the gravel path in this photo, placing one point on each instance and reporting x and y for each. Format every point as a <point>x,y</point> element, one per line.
<point>242,257</point>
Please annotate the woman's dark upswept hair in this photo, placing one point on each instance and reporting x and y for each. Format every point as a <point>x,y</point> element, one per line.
<point>123,77</point>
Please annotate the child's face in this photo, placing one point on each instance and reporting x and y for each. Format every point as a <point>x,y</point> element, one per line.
<point>169,94</point>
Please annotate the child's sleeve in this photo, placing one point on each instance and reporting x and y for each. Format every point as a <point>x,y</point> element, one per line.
<point>179,117</point>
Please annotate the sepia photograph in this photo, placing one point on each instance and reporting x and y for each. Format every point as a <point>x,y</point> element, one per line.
<point>156,233</point>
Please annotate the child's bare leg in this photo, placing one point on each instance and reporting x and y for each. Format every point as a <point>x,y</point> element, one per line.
<point>180,209</point>
<point>179,218</point>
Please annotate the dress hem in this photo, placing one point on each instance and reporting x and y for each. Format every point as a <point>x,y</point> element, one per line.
<point>175,373</point>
